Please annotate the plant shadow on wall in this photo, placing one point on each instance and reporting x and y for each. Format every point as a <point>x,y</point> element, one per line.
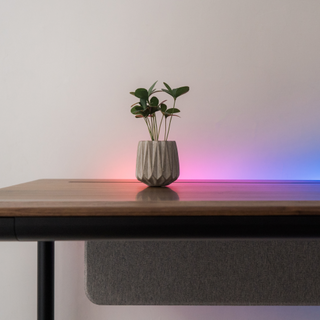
<point>157,161</point>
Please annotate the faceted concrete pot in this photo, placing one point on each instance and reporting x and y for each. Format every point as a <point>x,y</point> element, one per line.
<point>157,163</point>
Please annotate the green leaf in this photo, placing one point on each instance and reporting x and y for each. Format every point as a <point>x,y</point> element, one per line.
<point>150,91</point>
<point>163,107</point>
<point>145,113</point>
<point>141,93</point>
<point>143,103</point>
<point>154,101</point>
<point>134,104</point>
<point>167,91</point>
<point>174,93</point>
<point>167,86</point>
<point>132,93</point>
<point>170,115</point>
<point>180,91</point>
<point>153,109</point>
<point>136,110</point>
<point>172,110</point>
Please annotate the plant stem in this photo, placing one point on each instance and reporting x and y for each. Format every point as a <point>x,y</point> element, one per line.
<point>146,123</point>
<point>153,127</point>
<point>148,127</point>
<point>165,129</point>
<point>174,104</point>
<point>156,127</point>
<point>160,126</point>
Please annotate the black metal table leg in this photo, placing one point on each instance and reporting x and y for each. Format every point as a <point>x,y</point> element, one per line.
<point>45,280</point>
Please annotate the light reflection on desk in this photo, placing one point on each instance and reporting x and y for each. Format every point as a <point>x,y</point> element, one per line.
<point>157,194</point>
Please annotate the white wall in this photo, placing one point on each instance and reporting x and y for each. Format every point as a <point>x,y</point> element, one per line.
<point>66,68</point>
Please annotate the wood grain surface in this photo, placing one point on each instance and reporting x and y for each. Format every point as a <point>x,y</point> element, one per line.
<point>74,197</point>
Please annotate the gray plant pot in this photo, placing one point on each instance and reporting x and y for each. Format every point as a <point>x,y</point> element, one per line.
<point>157,163</point>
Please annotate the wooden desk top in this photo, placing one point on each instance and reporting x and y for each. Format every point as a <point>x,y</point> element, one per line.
<point>63,197</point>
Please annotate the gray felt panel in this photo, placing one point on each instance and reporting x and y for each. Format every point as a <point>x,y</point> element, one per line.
<point>205,272</point>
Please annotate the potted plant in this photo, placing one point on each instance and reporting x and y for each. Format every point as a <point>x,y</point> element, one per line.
<point>157,161</point>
